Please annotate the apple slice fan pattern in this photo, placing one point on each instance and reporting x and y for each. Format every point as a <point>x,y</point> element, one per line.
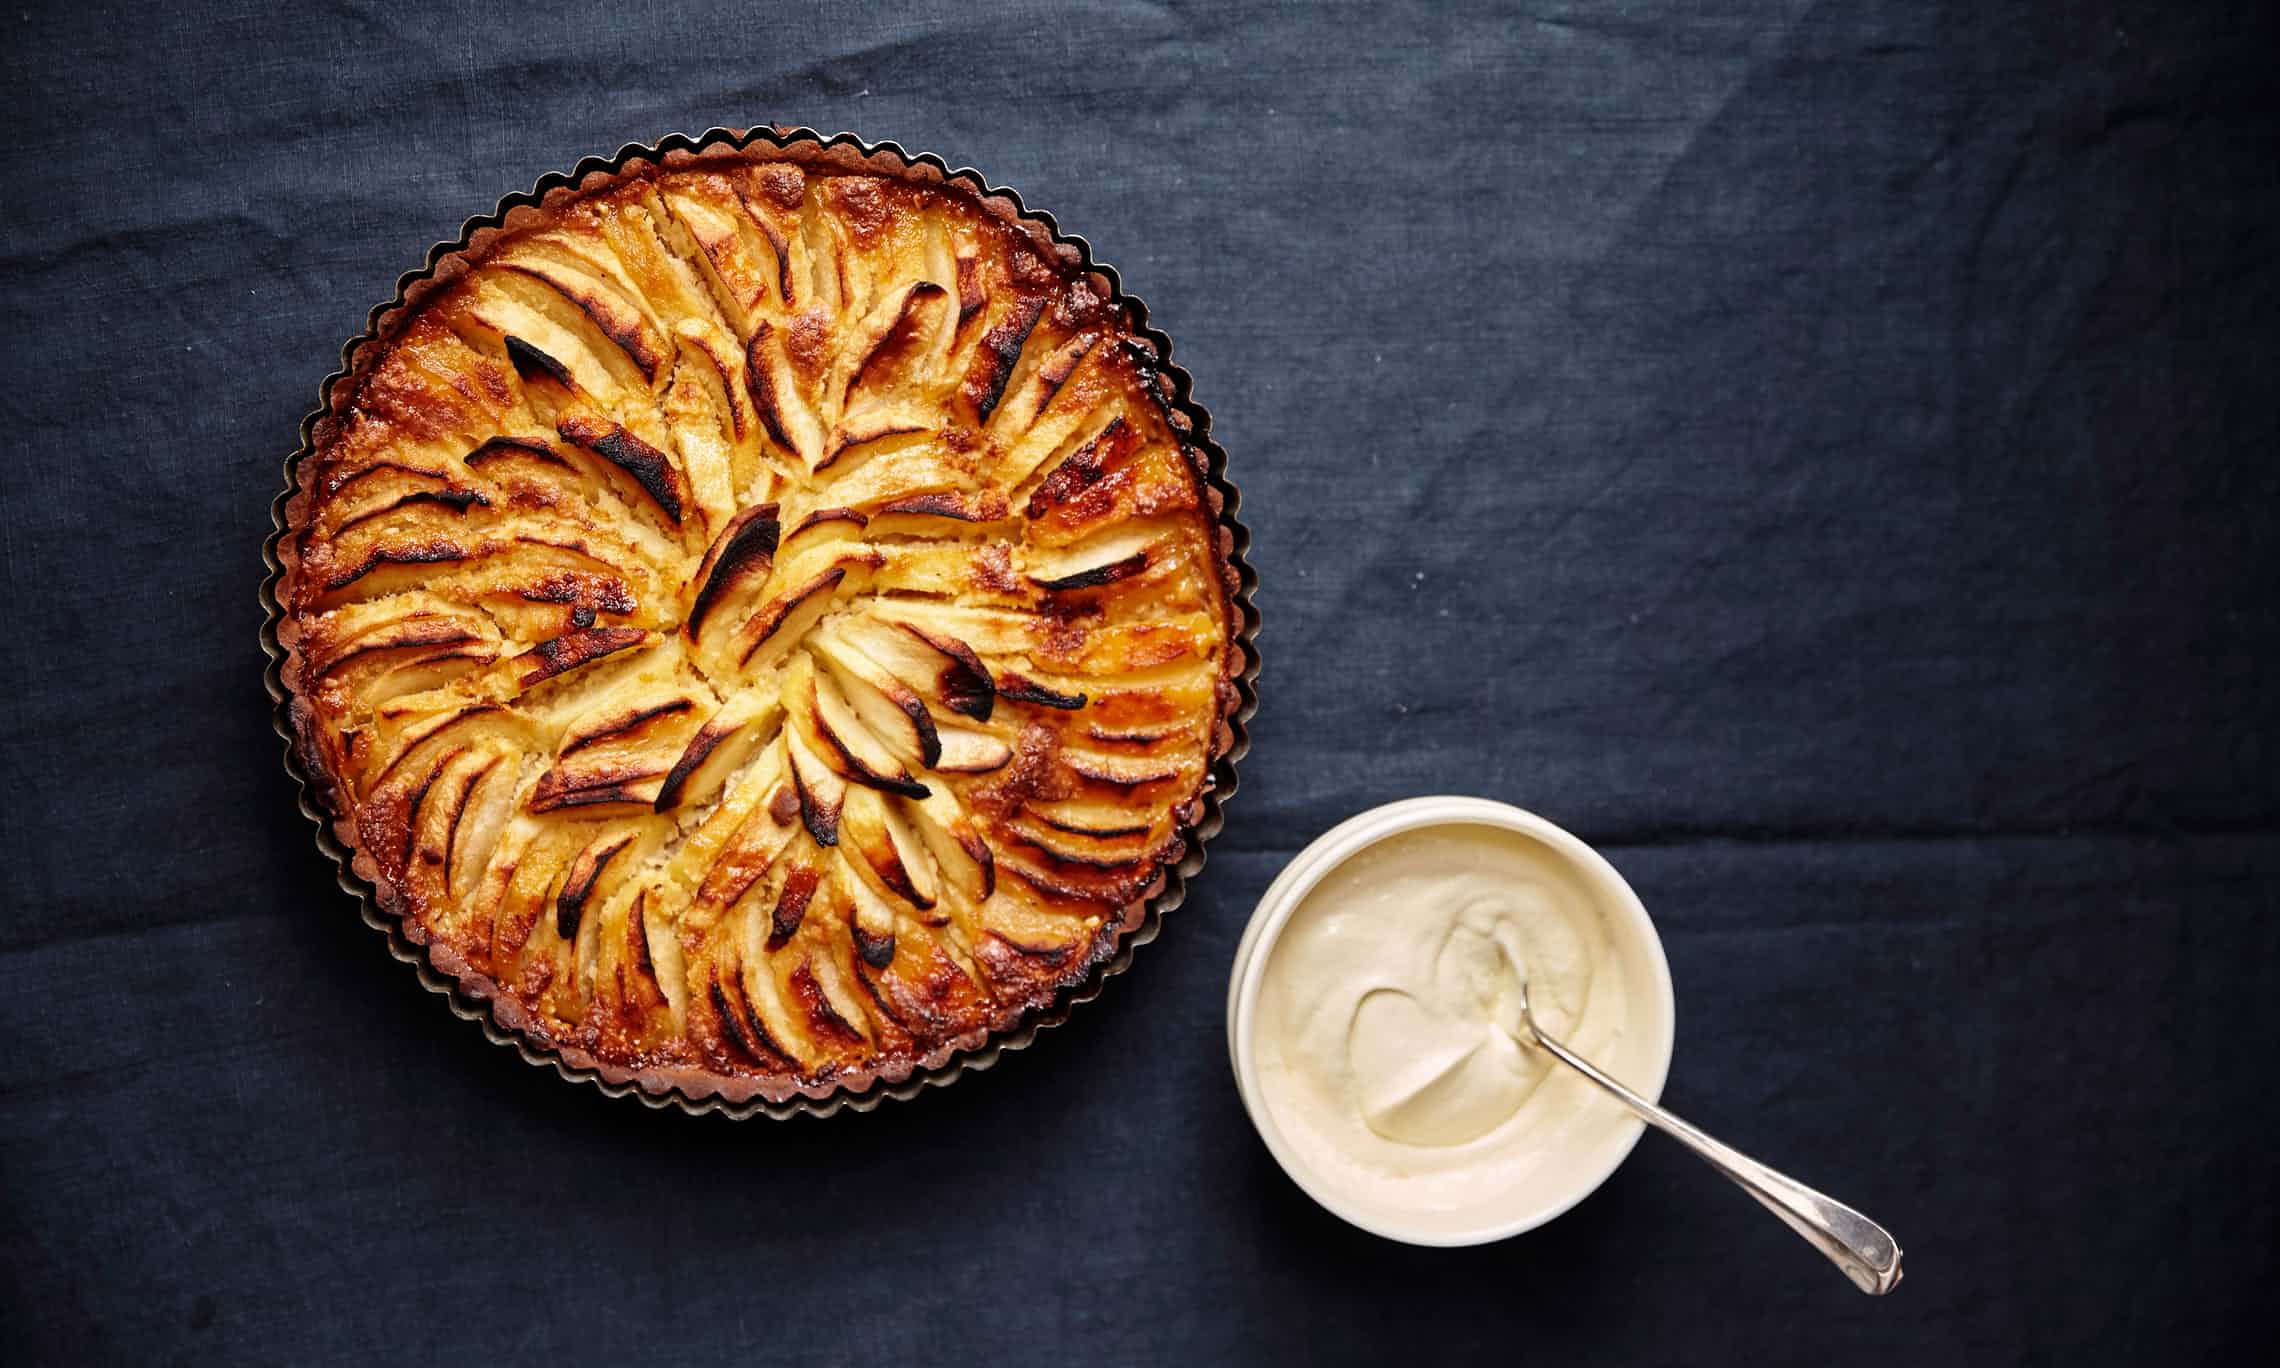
<point>758,627</point>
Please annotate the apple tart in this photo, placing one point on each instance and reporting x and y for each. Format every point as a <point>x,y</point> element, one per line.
<point>760,625</point>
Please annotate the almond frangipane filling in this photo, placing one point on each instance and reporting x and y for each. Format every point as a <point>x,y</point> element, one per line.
<point>761,623</point>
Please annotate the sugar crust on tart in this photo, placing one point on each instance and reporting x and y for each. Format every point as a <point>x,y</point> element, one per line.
<point>759,626</point>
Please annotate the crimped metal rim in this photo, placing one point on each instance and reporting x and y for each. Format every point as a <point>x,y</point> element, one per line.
<point>1181,402</point>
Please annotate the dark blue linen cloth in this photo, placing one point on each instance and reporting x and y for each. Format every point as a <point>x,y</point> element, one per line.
<point>1824,453</point>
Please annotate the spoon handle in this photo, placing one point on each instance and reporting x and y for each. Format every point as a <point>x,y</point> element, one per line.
<point>1863,1249</point>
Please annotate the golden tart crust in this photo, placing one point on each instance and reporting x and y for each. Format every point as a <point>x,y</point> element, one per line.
<point>758,625</point>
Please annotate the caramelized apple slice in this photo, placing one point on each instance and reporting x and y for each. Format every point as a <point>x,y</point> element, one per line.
<point>1121,771</point>
<point>605,308</point>
<point>896,332</point>
<point>822,791</point>
<point>883,849</point>
<point>820,527</point>
<point>737,259</point>
<point>655,952</point>
<point>760,840</point>
<point>584,878</point>
<point>868,759</point>
<point>871,920</point>
<point>941,667</point>
<point>650,470</point>
<point>1098,821</point>
<point>726,740</point>
<point>965,751</point>
<point>1097,561</point>
<point>483,819</point>
<point>1035,393</point>
<point>1064,487</point>
<point>785,618</point>
<point>958,849</point>
<point>774,386</point>
<point>888,707</point>
<point>736,565</point>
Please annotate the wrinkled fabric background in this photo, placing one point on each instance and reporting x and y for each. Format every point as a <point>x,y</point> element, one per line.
<point>1824,453</point>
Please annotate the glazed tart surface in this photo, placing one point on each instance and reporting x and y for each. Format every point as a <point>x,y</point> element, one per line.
<point>758,625</point>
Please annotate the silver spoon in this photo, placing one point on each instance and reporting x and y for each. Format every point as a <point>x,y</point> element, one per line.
<point>1863,1249</point>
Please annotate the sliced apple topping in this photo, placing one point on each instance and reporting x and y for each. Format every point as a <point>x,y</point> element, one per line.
<point>894,331</point>
<point>888,706</point>
<point>404,655</point>
<point>558,656</point>
<point>779,1011</point>
<point>757,845</point>
<point>996,356</point>
<point>736,1023</point>
<point>621,736</point>
<point>1144,736</point>
<point>822,792</point>
<point>925,986</point>
<point>416,815</point>
<point>872,920</point>
<point>400,744</point>
<point>784,410</point>
<point>344,566</point>
<point>877,431</point>
<point>390,475</point>
<point>739,261</point>
<point>923,513</point>
<point>966,751</point>
<point>738,561</point>
<point>860,754</point>
<point>727,739</point>
<point>650,469</point>
<point>1024,939</point>
<point>785,618</point>
<point>958,849</point>
<point>715,357</point>
<point>1120,771</point>
<point>719,458</point>
<point>483,816</point>
<point>650,962</point>
<point>1092,820</point>
<point>432,389</point>
<point>557,354</point>
<point>761,620</point>
<point>604,307</point>
<point>945,569</point>
<point>1020,688</point>
<point>1036,393</point>
<point>974,628</point>
<point>940,667</point>
<point>1093,461</point>
<point>1103,560</point>
<point>810,541</point>
<point>885,851</point>
<point>909,487</point>
<point>403,511</point>
<point>625,783</point>
<point>585,874</point>
<point>791,905</point>
<point>838,1026</point>
<point>1105,853</point>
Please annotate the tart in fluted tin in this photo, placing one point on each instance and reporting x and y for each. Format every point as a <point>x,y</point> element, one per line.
<point>761,619</point>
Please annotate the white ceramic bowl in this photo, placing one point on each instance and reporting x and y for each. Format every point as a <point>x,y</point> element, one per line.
<point>1562,1180</point>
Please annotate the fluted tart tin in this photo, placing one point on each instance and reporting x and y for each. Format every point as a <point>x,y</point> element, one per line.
<point>1189,421</point>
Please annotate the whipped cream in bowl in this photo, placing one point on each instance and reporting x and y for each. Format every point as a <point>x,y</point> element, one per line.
<point>1373,1005</point>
